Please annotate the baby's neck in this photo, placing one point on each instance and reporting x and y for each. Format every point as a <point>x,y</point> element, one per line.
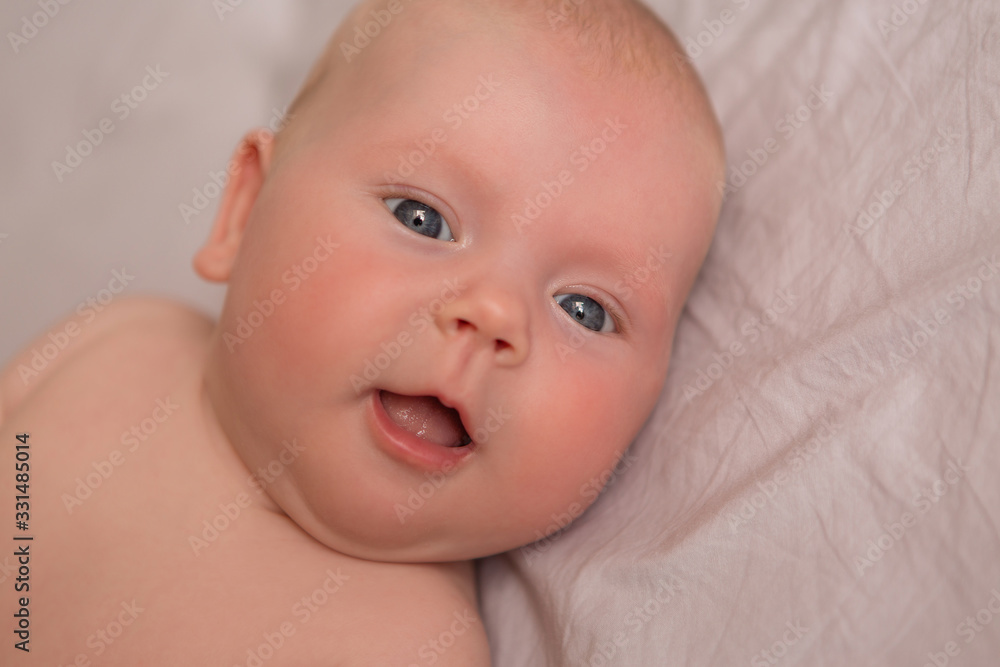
<point>216,410</point>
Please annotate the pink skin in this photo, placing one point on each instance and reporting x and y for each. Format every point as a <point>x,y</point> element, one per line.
<point>571,399</point>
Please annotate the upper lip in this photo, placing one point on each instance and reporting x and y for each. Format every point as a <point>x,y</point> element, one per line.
<point>459,407</point>
<point>448,401</point>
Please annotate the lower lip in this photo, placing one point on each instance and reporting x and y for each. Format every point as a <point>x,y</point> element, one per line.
<point>408,448</point>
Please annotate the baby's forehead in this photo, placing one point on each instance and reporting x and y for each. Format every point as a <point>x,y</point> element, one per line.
<point>458,109</point>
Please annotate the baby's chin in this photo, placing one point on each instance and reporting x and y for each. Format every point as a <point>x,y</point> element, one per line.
<point>397,549</point>
<point>361,533</point>
<point>440,539</point>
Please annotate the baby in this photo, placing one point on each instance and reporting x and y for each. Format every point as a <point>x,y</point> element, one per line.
<point>453,282</point>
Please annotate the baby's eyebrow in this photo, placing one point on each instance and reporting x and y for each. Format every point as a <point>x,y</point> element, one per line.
<point>640,271</point>
<point>401,151</point>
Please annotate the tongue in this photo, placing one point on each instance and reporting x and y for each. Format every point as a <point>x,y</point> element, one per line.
<point>425,417</point>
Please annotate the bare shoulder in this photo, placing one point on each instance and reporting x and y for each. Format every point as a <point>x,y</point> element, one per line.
<point>87,327</point>
<point>426,615</point>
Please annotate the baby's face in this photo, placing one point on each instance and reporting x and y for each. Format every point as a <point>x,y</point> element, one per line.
<point>468,219</point>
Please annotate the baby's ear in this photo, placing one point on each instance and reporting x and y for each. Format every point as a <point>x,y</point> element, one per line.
<point>247,171</point>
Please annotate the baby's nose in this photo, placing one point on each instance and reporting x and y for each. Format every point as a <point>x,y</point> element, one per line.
<point>492,315</point>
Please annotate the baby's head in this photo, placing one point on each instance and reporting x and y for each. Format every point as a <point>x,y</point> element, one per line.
<point>495,206</point>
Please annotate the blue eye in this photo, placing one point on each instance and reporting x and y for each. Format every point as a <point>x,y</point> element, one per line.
<point>421,218</point>
<point>587,312</point>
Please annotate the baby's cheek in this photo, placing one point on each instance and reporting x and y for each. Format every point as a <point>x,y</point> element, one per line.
<point>579,433</point>
<point>321,306</point>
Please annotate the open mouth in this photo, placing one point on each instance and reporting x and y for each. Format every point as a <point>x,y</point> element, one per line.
<point>426,418</point>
